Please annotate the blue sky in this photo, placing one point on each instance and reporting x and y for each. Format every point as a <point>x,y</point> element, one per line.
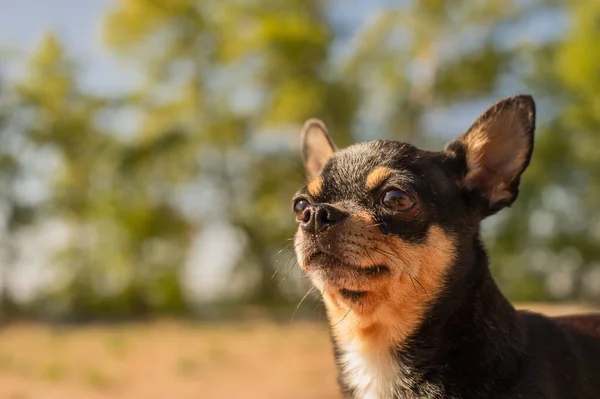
<point>79,24</point>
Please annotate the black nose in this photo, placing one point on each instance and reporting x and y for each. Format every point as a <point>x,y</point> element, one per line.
<point>318,218</point>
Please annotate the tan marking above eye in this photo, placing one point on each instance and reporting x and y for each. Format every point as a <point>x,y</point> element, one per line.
<point>378,176</point>
<point>315,185</point>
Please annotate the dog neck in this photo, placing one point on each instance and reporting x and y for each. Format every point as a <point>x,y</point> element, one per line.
<point>469,323</point>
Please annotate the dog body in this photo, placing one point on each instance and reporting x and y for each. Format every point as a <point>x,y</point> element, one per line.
<point>389,234</point>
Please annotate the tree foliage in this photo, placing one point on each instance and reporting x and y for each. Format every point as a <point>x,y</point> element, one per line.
<point>226,86</point>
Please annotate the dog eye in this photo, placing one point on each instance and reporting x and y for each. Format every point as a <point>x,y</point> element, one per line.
<point>397,200</point>
<point>300,205</point>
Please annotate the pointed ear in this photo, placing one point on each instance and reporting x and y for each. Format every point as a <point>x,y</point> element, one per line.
<point>497,149</point>
<point>317,146</point>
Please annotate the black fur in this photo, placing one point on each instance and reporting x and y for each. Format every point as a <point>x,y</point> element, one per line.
<point>472,343</point>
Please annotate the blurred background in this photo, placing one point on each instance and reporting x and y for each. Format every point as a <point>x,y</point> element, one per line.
<point>149,150</point>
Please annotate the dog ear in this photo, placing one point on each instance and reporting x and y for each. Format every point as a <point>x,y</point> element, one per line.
<point>496,150</point>
<point>317,146</point>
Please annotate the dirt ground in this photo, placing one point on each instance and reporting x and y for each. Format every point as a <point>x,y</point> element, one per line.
<point>173,359</point>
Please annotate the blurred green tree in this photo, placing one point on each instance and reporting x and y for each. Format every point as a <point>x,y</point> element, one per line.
<point>241,78</point>
<point>554,230</point>
<point>11,211</point>
<point>226,86</point>
<point>126,238</point>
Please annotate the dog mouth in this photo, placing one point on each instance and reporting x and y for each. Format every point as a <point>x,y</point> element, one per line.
<point>352,295</point>
<point>334,267</point>
<point>352,282</point>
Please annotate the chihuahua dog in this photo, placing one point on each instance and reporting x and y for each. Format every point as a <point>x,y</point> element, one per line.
<point>389,235</point>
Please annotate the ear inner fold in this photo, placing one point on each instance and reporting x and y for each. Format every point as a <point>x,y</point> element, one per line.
<point>497,149</point>
<point>317,146</point>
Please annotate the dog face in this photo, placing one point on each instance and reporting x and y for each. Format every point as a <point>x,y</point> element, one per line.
<point>372,215</point>
<point>380,224</point>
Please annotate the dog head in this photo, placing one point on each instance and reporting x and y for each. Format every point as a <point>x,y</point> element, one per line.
<point>380,223</point>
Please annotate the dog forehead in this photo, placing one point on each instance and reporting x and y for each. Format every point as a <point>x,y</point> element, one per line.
<point>355,162</point>
<point>348,173</point>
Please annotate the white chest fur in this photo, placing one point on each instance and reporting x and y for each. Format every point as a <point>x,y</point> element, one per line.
<point>372,375</point>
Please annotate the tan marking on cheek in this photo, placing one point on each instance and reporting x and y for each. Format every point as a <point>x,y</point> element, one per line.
<point>394,307</point>
<point>315,185</point>
<point>363,219</point>
<point>377,176</point>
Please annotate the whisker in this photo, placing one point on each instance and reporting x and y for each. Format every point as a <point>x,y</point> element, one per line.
<point>368,254</point>
<point>287,260</point>
<point>372,225</point>
<point>412,278</point>
<point>291,261</point>
<point>284,248</point>
<point>381,251</point>
<point>303,276</point>
<point>421,285</point>
<point>396,263</point>
<point>290,268</point>
<point>290,265</point>
<point>347,313</point>
<point>412,281</point>
<point>300,303</point>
